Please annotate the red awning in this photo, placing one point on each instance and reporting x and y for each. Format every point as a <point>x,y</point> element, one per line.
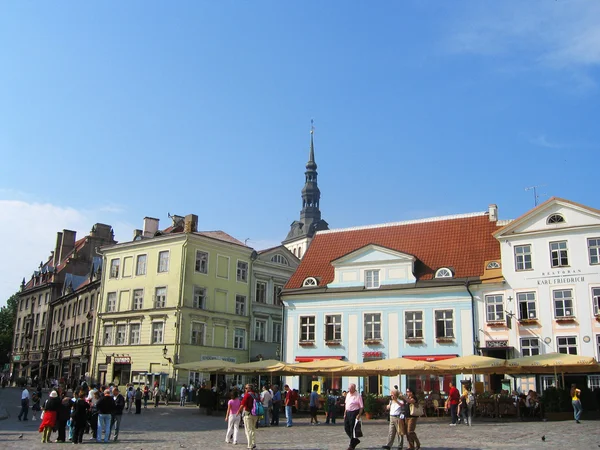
<point>316,358</point>
<point>429,358</point>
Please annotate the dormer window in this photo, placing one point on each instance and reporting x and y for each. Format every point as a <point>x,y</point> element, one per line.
<point>493,265</point>
<point>371,279</point>
<point>279,259</point>
<point>310,281</point>
<point>444,272</point>
<point>555,218</point>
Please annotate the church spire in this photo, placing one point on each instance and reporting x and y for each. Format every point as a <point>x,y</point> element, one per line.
<point>311,156</point>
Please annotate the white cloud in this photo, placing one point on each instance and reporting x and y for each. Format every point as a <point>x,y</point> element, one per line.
<point>29,235</point>
<point>542,141</point>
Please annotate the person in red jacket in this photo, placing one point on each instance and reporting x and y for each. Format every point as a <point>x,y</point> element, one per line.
<point>453,400</point>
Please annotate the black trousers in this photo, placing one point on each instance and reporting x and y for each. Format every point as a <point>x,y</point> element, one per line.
<point>61,426</point>
<point>349,422</point>
<point>94,424</point>
<point>275,414</point>
<point>138,406</point>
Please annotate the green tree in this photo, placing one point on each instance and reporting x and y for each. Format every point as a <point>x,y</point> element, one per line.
<point>8,314</point>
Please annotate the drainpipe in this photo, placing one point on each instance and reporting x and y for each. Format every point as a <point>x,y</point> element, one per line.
<point>475,338</point>
<point>178,310</point>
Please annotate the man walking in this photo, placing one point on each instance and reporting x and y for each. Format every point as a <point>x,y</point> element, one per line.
<point>314,405</point>
<point>117,414</point>
<point>276,406</point>
<point>249,420</point>
<point>266,398</point>
<point>182,395</point>
<point>130,397</point>
<point>354,409</point>
<point>289,403</point>
<point>453,400</point>
<point>24,404</point>
<point>105,406</point>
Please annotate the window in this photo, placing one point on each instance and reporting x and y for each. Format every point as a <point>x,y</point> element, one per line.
<point>444,324</point>
<point>240,305</point>
<point>134,333</point>
<point>307,329</point>
<point>261,292</point>
<point>35,338</point>
<point>111,302</point>
<point>494,305</point>
<point>523,257</point>
<point>157,332</point>
<point>46,297</point>
<point>37,320</point>
<point>92,302</point>
<point>530,346</point>
<point>280,259</point>
<point>85,301</point>
<point>163,261</point>
<point>140,265</point>
<point>310,281</point>
<point>371,279</point>
<point>260,330</point>
<point>242,271</point>
<point>239,339</point>
<point>138,298</point>
<point>444,272</point>
<point>121,334</point>
<point>198,332</point>
<point>333,327</point>
<point>372,326</point>
<point>19,323</point>
<point>493,265</point>
<point>108,335</point>
<point>89,328</point>
<point>44,319</point>
<point>596,300</point>
<point>199,298</point>
<point>276,332</point>
<point>277,288</point>
<point>76,332</point>
<point>160,297</point>
<point>526,301</point>
<point>114,268</point>
<point>593,382</point>
<point>598,345</point>
<point>567,345</point>
<point>594,250</point>
<point>555,218</point>
<point>563,303</point>
<point>413,322</point>
<point>201,262</point>
<point>559,254</point>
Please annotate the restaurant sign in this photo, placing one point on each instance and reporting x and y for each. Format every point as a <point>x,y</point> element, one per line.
<point>217,358</point>
<point>122,360</point>
<point>496,344</point>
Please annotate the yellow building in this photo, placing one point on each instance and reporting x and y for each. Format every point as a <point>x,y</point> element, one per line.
<point>170,297</point>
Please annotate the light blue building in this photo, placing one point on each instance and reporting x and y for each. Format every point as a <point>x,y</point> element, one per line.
<point>406,289</point>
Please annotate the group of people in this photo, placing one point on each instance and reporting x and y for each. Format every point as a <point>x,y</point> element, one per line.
<point>403,422</point>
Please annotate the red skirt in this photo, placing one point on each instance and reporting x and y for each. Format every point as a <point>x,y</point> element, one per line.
<point>49,420</point>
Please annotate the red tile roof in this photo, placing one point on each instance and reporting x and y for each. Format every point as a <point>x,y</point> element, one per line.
<point>462,243</point>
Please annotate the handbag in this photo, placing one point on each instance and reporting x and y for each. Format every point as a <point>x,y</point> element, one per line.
<point>357,433</point>
<point>416,410</point>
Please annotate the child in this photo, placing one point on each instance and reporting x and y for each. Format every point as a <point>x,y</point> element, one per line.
<point>35,399</point>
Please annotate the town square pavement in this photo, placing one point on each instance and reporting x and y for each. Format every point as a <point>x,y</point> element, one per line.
<point>174,427</point>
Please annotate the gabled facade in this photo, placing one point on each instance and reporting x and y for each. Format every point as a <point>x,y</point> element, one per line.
<point>392,290</point>
<point>551,300</point>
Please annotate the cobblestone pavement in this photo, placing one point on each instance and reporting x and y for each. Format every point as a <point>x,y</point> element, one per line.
<point>174,427</point>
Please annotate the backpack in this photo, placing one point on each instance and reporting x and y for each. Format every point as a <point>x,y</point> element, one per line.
<point>257,407</point>
<point>470,399</point>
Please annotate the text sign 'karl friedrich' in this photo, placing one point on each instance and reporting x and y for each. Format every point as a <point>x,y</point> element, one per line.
<point>561,276</point>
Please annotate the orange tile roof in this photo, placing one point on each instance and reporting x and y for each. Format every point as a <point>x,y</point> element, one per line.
<point>462,243</point>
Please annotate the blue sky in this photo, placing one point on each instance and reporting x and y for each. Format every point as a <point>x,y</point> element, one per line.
<point>112,111</point>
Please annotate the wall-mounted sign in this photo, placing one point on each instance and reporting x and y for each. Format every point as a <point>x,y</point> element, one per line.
<point>561,276</point>
<point>496,344</point>
<point>217,358</point>
<point>17,358</point>
<point>122,359</point>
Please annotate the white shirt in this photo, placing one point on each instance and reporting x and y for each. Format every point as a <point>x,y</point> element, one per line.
<point>395,408</point>
<point>25,394</point>
<point>265,397</point>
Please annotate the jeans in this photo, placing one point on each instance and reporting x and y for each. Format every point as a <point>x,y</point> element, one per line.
<point>115,424</point>
<point>453,410</point>
<point>467,414</point>
<point>24,409</point>
<point>103,424</point>
<point>288,415</point>
<point>266,420</point>
<point>577,409</point>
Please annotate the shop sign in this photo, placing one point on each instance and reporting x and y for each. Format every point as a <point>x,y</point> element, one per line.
<point>17,358</point>
<point>122,359</point>
<point>373,354</point>
<point>217,358</point>
<point>496,344</point>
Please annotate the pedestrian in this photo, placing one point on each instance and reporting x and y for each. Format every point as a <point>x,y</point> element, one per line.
<point>51,408</point>
<point>35,404</point>
<point>313,405</point>
<point>130,399</point>
<point>117,414</point>
<point>289,404</point>
<point>352,413</point>
<point>182,395</point>
<point>330,408</point>
<point>62,417</point>
<point>276,406</point>
<point>24,404</point>
<point>266,399</point>
<point>138,401</point>
<point>94,414</point>
<point>156,396</point>
<point>146,396</point>
<point>397,409</point>
<point>453,400</point>
<point>576,402</point>
<point>79,417</point>
<point>411,422</point>
<point>232,418</point>
<point>250,420</point>
<point>106,406</point>
<point>467,401</point>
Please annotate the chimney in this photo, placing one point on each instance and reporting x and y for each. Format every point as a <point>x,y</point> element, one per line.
<point>56,253</point>
<point>493,213</point>
<point>67,244</point>
<point>176,220</point>
<point>190,224</point>
<point>150,226</point>
<point>137,233</point>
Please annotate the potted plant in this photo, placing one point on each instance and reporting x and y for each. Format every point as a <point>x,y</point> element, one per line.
<point>370,406</point>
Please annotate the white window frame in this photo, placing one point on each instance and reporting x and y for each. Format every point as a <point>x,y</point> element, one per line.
<point>123,328</point>
<point>107,335</point>
<point>137,297</point>
<point>370,326</point>
<point>372,279</point>
<point>163,264</point>
<point>260,325</point>
<point>237,338</point>
<point>598,347</point>
<point>279,259</point>
<point>335,326</point>
<point>556,253</point>
<point>521,257</point>
<point>244,303</point>
<point>115,267</point>
<point>140,269</point>
<point>261,298</point>
<point>492,315</point>
<point>276,332</point>
<point>593,382</point>
<point>132,332</point>
<point>198,267</point>
<point>528,301</point>
<point>448,332</point>
<point>125,259</point>
<point>443,272</point>
<point>160,303</point>
<point>596,300</point>
<point>413,322</point>
<point>308,327</point>
<point>528,348</point>
<point>241,271</point>
<point>567,342</point>
<point>594,250</point>
<point>153,331</point>
<point>562,303</point>
<point>199,297</point>
<point>202,333</point>
<point>310,281</point>
<point>111,302</point>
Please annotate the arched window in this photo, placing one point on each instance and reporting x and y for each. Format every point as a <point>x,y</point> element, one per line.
<point>444,272</point>
<point>310,281</point>
<point>295,254</point>
<point>555,218</point>
<point>300,253</point>
<point>493,265</point>
<point>280,259</point>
